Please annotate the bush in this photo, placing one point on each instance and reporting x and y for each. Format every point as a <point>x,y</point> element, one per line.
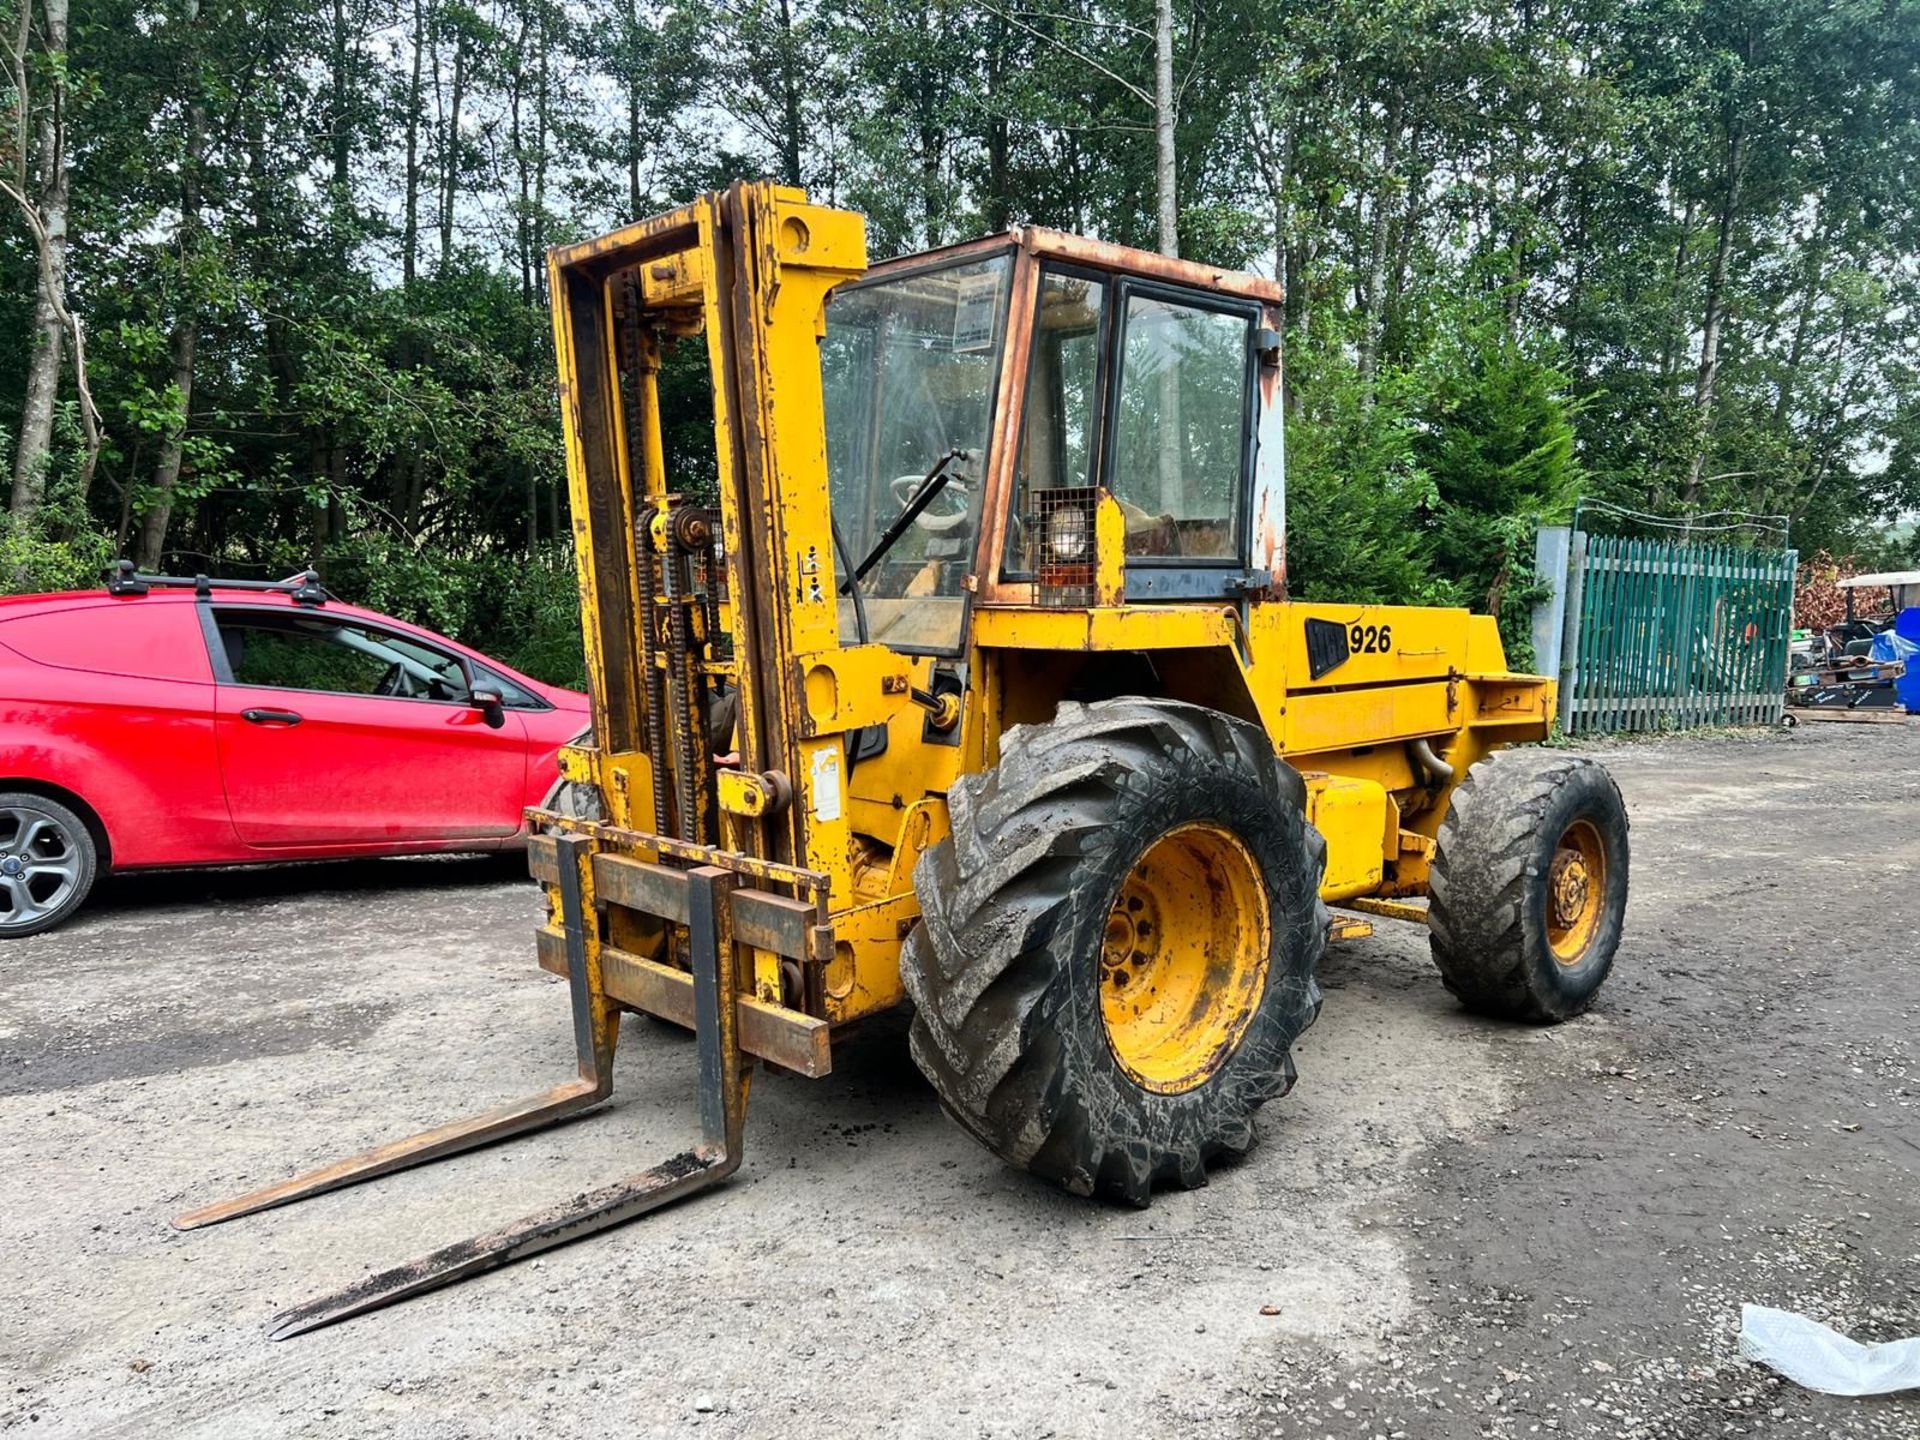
<point>59,549</point>
<point>1354,488</point>
<point>522,610</point>
<point>537,626</point>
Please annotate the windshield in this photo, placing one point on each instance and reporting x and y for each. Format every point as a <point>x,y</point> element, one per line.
<point>909,368</point>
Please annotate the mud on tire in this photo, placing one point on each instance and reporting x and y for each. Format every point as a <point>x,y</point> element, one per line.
<point>1005,970</point>
<point>1492,911</point>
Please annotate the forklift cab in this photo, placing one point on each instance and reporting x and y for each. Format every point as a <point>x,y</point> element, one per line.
<point>1084,378</point>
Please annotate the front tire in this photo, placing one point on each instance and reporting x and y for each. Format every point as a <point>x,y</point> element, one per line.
<point>48,863</point>
<point>1528,889</point>
<point>1118,944</point>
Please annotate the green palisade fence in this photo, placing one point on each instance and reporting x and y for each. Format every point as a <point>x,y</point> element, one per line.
<point>1667,635</point>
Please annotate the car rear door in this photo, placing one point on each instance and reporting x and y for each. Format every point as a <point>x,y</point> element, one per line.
<point>112,699</point>
<point>336,732</point>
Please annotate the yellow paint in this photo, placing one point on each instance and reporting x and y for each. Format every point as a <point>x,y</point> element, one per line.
<point>864,977</point>
<point>744,793</point>
<point>850,687</point>
<point>1110,551</point>
<point>1577,891</point>
<point>746,276</point>
<point>1185,956</point>
<point>1392,910</point>
<point>578,765</point>
<point>1350,814</point>
<point>1348,927</point>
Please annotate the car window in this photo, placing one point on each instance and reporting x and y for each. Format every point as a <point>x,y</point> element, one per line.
<point>312,652</point>
<point>145,639</point>
<point>514,697</point>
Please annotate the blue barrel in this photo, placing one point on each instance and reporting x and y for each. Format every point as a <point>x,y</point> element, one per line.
<point>1907,626</point>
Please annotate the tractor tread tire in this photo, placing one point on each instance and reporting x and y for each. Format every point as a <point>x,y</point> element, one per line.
<point>1007,1021</point>
<point>1487,900</point>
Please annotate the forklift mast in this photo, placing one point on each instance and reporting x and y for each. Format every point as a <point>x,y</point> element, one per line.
<point>697,615</point>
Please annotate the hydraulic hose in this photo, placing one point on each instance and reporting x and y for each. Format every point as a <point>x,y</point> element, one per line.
<point>1437,770</point>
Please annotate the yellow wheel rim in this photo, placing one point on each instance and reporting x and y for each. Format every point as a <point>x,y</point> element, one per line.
<point>1185,957</point>
<point>1576,892</point>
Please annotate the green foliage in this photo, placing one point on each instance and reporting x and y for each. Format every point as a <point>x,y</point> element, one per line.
<point>31,561</point>
<point>537,625</point>
<point>1497,444</point>
<point>1426,484</point>
<point>57,550</point>
<point>1355,490</point>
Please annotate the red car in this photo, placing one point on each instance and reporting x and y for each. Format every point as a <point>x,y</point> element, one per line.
<point>169,722</point>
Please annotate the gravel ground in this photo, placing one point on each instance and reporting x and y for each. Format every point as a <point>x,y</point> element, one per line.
<point>1462,1228</point>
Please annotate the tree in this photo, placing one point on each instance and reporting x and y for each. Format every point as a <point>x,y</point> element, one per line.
<point>767,55</point>
<point>41,95</point>
<point>185,332</point>
<point>1112,48</point>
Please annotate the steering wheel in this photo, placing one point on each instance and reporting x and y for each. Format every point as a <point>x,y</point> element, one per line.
<point>394,682</point>
<point>947,511</point>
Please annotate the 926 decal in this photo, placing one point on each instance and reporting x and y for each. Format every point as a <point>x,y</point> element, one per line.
<point>1370,639</point>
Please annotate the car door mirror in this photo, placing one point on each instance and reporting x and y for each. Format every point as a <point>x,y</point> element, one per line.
<point>492,708</point>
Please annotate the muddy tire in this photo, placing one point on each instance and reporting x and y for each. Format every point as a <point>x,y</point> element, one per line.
<point>1059,1022</point>
<point>1529,885</point>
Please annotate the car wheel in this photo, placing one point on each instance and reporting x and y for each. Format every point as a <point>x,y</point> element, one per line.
<point>48,862</point>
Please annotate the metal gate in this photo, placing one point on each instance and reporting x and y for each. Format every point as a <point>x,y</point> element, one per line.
<point>1663,634</point>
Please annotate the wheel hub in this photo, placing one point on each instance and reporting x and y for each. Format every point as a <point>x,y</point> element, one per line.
<point>1183,959</point>
<point>39,866</point>
<point>1570,883</point>
<point>1576,892</point>
<point>1132,944</point>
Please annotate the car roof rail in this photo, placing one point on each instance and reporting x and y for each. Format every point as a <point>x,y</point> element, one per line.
<point>304,587</point>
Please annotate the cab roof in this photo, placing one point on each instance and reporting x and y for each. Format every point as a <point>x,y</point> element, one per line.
<point>1048,244</point>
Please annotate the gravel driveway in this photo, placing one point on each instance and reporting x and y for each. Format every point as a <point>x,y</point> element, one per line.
<point>1466,1228</point>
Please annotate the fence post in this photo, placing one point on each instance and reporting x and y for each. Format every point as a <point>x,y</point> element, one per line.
<point>1550,552</point>
<point>1573,630</point>
<point>1782,660</point>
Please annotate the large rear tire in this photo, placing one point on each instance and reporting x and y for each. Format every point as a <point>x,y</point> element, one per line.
<point>1118,944</point>
<point>1529,885</point>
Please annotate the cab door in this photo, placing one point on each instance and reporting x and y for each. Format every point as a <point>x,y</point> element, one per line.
<point>335,732</point>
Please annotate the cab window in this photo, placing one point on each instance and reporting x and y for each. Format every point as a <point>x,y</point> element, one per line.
<point>1180,429</point>
<point>1060,427</point>
<point>909,368</point>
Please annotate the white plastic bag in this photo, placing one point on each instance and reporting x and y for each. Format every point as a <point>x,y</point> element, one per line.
<point>1810,1354</point>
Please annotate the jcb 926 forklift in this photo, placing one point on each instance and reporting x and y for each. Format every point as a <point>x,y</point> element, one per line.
<point>979,690</point>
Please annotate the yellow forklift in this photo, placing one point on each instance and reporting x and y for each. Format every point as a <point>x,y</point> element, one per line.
<point>979,690</point>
